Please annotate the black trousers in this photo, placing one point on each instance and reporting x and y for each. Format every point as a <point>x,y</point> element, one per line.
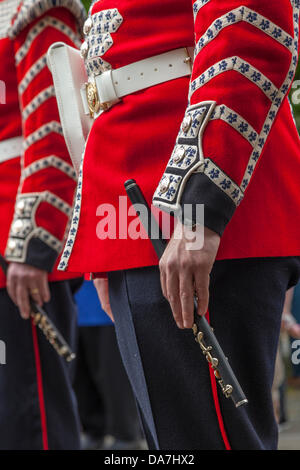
<point>170,376</point>
<point>105,399</point>
<point>37,404</point>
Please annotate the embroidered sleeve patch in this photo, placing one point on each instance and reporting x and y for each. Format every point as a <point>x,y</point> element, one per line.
<point>186,158</point>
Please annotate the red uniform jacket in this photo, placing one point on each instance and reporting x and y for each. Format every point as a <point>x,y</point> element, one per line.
<point>236,145</point>
<point>10,128</point>
<point>36,208</point>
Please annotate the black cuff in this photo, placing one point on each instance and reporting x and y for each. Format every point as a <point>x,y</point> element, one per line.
<point>40,255</point>
<point>218,207</point>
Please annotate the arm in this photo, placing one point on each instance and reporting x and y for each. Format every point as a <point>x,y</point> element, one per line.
<point>287,308</point>
<point>289,323</point>
<point>245,60</point>
<point>45,198</point>
<point>101,285</point>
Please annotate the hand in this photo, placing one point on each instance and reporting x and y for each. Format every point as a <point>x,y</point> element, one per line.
<point>290,325</point>
<point>24,281</point>
<point>102,290</point>
<point>185,272</point>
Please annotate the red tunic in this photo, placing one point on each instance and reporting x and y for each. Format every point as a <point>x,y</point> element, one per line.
<point>10,127</point>
<point>38,220</point>
<point>243,162</point>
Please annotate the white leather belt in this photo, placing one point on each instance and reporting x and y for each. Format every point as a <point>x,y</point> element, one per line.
<point>110,86</point>
<point>11,148</point>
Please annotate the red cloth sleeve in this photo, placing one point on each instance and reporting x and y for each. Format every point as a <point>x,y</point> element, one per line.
<point>48,180</point>
<point>244,64</point>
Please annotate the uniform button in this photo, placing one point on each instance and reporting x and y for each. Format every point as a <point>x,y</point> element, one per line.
<point>87,26</point>
<point>186,123</point>
<point>164,184</point>
<point>17,226</point>
<point>20,207</point>
<point>84,49</point>
<point>179,154</point>
<point>11,246</point>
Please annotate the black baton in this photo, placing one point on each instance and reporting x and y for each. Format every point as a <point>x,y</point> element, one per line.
<point>203,333</point>
<point>41,319</point>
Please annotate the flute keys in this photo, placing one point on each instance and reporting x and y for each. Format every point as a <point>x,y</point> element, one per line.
<point>214,362</point>
<point>70,357</point>
<point>228,391</point>
<point>63,350</point>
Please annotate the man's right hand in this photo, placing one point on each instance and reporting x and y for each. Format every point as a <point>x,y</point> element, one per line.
<point>24,281</point>
<point>102,290</point>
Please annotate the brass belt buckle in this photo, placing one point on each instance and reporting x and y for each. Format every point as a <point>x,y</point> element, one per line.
<point>188,59</point>
<point>93,101</point>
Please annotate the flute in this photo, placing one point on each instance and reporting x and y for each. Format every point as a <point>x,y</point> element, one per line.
<point>203,333</point>
<point>41,319</point>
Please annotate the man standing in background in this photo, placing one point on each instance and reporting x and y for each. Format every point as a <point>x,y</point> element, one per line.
<point>37,404</point>
<point>235,150</point>
<point>106,403</point>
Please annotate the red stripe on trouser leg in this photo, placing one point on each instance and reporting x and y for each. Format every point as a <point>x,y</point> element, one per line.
<point>217,403</point>
<point>40,387</point>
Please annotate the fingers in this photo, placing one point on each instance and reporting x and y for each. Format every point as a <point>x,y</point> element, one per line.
<point>184,270</point>
<point>163,279</point>
<point>172,288</point>
<point>37,288</point>
<point>25,282</point>
<point>11,286</point>
<point>179,282</point>
<point>103,294</point>
<point>35,293</point>
<point>22,297</point>
<point>108,311</point>
<point>177,288</point>
<point>44,289</point>
<point>201,280</point>
<point>187,298</point>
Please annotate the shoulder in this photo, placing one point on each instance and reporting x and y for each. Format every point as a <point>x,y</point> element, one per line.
<point>7,11</point>
<point>29,10</point>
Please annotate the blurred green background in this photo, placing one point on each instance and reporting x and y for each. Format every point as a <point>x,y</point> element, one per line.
<point>294,95</point>
<point>86,3</point>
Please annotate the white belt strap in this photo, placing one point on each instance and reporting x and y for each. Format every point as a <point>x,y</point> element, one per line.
<point>115,84</point>
<point>79,99</point>
<point>110,86</point>
<point>11,148</point>
<point>69,75</point>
